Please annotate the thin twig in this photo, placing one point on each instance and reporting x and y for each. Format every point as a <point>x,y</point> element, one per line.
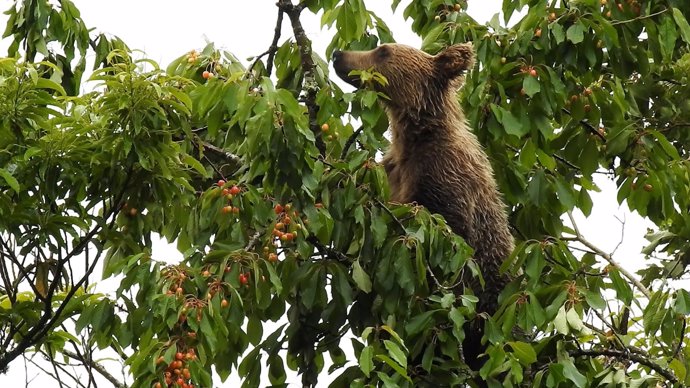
<point>556,156</point>
<point>390,213</point>
<point>651,15</point>
<point>620,242</point>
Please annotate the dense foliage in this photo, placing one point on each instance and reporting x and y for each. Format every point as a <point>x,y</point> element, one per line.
<point>265,177</point>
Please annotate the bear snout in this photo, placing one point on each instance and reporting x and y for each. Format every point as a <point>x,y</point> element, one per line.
<point>342,69</point>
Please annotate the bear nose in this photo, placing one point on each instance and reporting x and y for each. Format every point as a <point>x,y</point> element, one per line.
<point>337,54</point>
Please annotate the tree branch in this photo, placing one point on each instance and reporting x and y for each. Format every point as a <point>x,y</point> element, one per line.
<point>272,48</point>
<point>252,241</point>
<point>350,141</point>
<point>96,366</point>
<point>49,317</point>
<point>651,15</point>
<point>587,125</point>
<point>309,84</point>
<point>626,356</point>
<point>579,238</point>
<point>324,250</point>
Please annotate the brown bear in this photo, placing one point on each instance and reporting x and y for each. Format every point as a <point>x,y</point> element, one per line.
<point>434,159</point>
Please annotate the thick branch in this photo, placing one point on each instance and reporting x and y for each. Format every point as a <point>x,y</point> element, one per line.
<point>626,356</point>
<point>228,155</point>
<point>309,84</point>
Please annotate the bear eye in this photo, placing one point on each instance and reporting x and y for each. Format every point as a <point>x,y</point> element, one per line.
<point>382,52</point>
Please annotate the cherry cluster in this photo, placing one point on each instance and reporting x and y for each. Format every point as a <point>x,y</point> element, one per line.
<point>176,374</point>
<point>229,193</point>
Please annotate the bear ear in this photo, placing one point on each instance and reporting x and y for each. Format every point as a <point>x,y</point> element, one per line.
<point>455,59</point>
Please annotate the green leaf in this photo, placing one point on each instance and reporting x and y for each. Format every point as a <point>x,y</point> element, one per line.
<point>511,124</point>
<point>208,333</point>
<point>523,352</point>
<point>254,331</point>
<point>574,320</point>
<point>682,305</point>
<point>576,33</point>
<point>531,85</point>
<point>360,277</point>
<point>396,353</point>
<point>667,38</point>
<point>572,374</point>
<point>622,287</point>
<point>670,150</point>
<point>557,32</point>
<point>394,335</point>
<point>682,23</point>
<point>45,83</point>
<point>378,227</point>
<point>537,188</point>
<point>678,368</point>
<point>420,322</point>
<point>447,301</point>
<point>400,370</point>
<point>594,299</point>
<point>655,311</point>
<point>561,322</point>
<point>366,360</point>
<point>10,180</point>
<point>196,165</point>
<point>565,194</point>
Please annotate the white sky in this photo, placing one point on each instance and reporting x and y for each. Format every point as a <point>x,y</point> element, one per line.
<point>167,29</point>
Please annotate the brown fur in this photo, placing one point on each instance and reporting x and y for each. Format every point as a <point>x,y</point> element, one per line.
<point>434,159</point>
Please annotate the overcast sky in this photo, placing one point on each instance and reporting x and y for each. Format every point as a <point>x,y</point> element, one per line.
<point>167,29</point>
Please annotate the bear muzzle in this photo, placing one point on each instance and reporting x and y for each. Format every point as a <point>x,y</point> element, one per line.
<point>342,69</point>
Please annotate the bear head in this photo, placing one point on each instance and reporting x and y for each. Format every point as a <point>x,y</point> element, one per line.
<point>418,83</point>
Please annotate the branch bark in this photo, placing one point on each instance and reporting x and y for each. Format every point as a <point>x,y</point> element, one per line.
<point>626,356</point>
<point>309,84</point>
